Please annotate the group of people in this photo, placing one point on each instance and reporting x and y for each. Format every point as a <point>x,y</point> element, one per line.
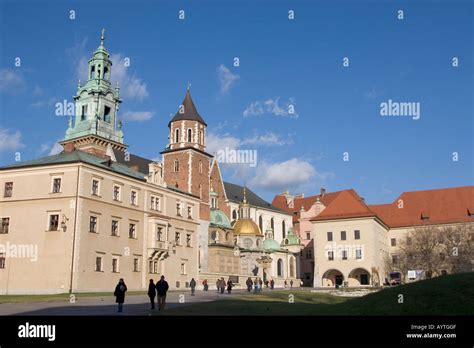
<point>221,285</point>
<point>160,289</point>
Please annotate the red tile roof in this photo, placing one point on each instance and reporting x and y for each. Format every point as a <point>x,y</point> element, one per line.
<point>439,206</point>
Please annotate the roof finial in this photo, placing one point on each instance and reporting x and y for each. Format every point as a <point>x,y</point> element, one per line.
<point>245,195</point>
<point>102,37</point>
<point>189,86</point>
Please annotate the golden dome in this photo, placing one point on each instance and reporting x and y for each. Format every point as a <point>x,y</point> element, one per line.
<point>246,226</point>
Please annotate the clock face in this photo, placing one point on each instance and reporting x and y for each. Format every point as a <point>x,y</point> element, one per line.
<point>248,242</point>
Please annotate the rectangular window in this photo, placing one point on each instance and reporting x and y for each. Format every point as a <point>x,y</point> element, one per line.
<point>56,185</point>
<point>188,240</point>
<point>308,235</point>
<point>116,193</point>
<point>329,236</point>
<point>115,228</point>
<point>358,254</point>
<point>394,259</point>
<point>5,225</point>
<point>178,209</point>
<point>133,197</point>
<point>177,238</point>
<point>331,255</point>
<point>344,254</point>
<point>2,260</point>
<point>159,233</point>
<point>8,189</point>
<point>136,265</point>
<point>93,224</point>
<point>152,203</point>
<point>150,266</point>
<point>408,241</point>
<point>83,112</point>
<point>190,212</point>
<point>107,114</point>
<point>132,231</point>
<point>393,242</point>
<point>343,235</point>
<point>157,203</point>
<point>98,264</point>
<point>115,265</point>
<point>356,234</point>
<point>309,254</point>
<point>95,187</point>
<point>53,222</point>
<point>183,268</point>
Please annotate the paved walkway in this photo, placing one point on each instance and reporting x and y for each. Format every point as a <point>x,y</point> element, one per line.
<point>105,305</point>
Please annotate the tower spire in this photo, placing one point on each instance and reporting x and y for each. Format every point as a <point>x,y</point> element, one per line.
<point>102,37</point>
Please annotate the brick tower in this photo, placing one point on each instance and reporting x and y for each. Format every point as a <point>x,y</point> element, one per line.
<point>186,162</point>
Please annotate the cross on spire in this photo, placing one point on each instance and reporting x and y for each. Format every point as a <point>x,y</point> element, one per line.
<point>102,37</point>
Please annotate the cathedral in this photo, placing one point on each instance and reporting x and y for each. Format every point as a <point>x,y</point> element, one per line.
<point>96,213</point>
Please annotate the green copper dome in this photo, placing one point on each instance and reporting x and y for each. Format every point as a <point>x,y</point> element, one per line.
<point>218,218</point>
<point>291,239</point>
<point>271,244</point>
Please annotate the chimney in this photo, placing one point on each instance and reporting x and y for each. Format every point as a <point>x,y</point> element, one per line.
<point>323,191</point>
<point>68,147</point>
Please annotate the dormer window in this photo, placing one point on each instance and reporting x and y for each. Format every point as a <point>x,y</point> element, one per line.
<point>425,216</point>
<point>470,213</point>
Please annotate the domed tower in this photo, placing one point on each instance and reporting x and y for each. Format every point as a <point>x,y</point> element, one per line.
<point>95,128</point>
<point>186,162</point>
<point>247,233</point>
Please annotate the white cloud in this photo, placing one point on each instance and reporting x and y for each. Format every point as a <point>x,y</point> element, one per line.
<point>10,140</point>
<point>272,107</point>
<point>226,78</point>
<point>216,142</point>
<point>55,149</point>
<point>138,115</point>
<point>130,86</point>
<point>283,175</point>
<point>269,139</point>
<point>11,81</point>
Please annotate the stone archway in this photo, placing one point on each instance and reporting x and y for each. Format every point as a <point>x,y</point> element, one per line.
<point>359,277</point>
<point>332,277</point>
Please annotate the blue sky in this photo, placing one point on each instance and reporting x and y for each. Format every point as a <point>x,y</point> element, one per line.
<point>283,62</point>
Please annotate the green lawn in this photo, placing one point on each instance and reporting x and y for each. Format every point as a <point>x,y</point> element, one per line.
<point>447,295</point>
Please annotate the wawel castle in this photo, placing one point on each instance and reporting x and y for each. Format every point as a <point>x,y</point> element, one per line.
<point>95,213</point>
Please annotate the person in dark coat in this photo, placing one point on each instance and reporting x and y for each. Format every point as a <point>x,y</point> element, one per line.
<point>119,294</point>
<point>229,286</point>
<point>152,293</point>
<point>192,285</point>
<point>249,284</point>
<point>272,284</point>
<point>222,285</point>
<point>161,288</point>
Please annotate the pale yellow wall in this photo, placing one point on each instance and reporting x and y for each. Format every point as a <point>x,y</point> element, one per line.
<point>373,243</point>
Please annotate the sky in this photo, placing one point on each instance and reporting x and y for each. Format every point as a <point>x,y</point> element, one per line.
<point>306,95</point>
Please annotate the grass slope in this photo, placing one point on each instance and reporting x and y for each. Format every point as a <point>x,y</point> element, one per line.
<point>447,295</point>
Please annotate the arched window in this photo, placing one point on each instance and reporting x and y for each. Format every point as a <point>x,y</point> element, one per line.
<point>280,268</point>
<point>92,75</point>
<point>234,215</point>
<point>176,165</point>
<point>283,228</point>
<point>176,135</point>
<point>272,224</point>
<point>260,222</point>
<point>106,73</point>
<point>190,135</point>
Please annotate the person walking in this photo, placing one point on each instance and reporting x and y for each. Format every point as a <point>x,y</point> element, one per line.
<point>286,283</point>
<point>249,284</point>
<point>272,283</point>
<point>161,288</point>
<point>229,286</point>
<point>119,294</point>
<point>222,285</point>
<point>204,285</point>
<point>218,285</point>
<point>260,282</point>
<point>255,286</point>
<point>291,283</point>
<point>192,284</point>
<point>152,293</point>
